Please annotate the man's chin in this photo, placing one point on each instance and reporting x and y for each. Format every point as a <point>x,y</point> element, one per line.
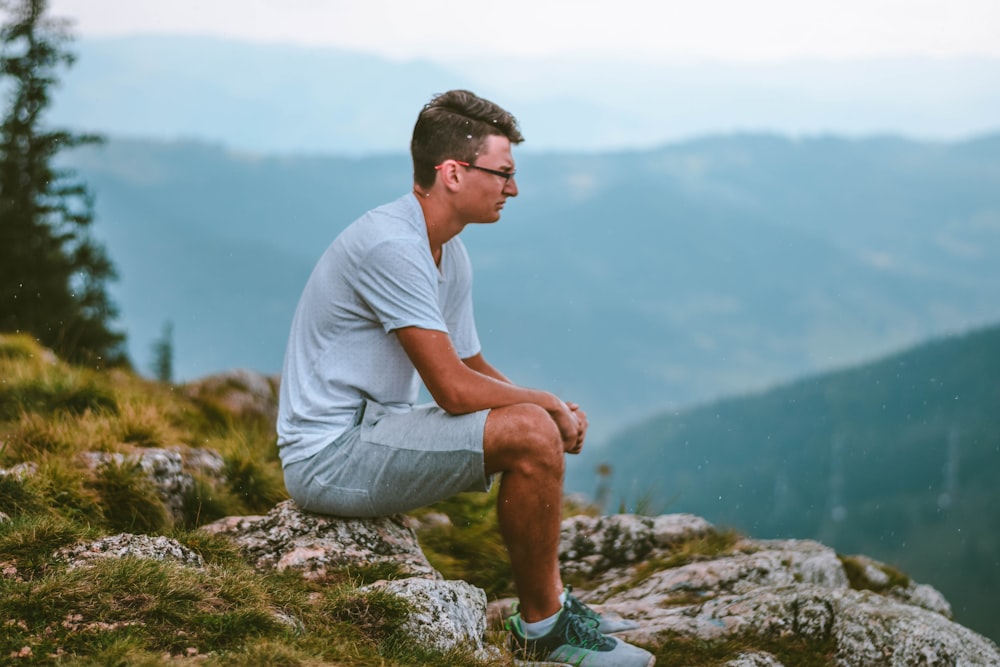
<point>490,220</point>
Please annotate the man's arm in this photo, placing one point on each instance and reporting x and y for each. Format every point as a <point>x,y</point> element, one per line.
<point>462,387</point>
<point>480,365</point>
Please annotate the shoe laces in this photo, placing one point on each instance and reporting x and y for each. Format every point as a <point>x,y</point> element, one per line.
<point>579,608</point>
<point>582,631</point>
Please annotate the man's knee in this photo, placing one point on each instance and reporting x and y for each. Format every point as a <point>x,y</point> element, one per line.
<point>524,424</point>
<point>520,435</point>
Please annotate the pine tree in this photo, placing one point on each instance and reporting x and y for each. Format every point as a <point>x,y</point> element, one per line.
<point>52,273</point>
<point>163,354</point>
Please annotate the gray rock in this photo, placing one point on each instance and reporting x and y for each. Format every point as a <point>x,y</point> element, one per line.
<point>289,539</point>
<point>205,461</point>
<point>753,564</point>
<point>924,596</point>
<point>874,576</point>
<point>589,545</point>
<point>446,615</point>
<point>241,391</point>
<point>128,545</point>
<point>754,659</point>
<point>20,471</point>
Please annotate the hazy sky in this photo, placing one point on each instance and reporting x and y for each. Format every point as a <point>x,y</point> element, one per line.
<point>731,30</point>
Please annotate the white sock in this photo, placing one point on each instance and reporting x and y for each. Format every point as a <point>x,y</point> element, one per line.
<point>540,628</point>
<point>562,598</point>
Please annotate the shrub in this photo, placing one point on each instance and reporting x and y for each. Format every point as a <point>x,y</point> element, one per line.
<point>258,484</point>
<point>128,499</point>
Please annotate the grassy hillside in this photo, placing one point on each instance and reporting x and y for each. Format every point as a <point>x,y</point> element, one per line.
<point>898,459</point>
<point>129,612</point>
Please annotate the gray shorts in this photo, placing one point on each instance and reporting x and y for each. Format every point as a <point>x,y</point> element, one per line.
<point>392,462</point>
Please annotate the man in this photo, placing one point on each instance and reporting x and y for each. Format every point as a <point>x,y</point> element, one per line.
<point>389,304</point>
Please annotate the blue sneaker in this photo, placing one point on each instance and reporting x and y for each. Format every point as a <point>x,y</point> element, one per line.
<point>576,641</point>
<point>606,623</point>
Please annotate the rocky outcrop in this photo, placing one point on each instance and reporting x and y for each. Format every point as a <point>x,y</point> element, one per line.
<point>289,539</point>
<point>687,584</point>
<point>773,593</point>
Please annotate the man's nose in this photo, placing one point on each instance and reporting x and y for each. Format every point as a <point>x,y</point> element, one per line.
<point>510,187</point>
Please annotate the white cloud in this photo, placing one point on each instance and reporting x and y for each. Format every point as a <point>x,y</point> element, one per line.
<point>454,29</point>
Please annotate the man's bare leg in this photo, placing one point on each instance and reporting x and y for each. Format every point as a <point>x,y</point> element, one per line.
<point>523,443</point>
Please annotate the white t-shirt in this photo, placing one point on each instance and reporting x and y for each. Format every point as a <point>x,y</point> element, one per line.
<point>377,276</point>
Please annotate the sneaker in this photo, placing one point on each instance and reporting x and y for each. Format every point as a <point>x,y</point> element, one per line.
<point>575,640</point>
<point>606,623</point>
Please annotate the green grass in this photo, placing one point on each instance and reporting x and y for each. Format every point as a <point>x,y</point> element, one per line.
<point>253,473</point>
<point>855,568</point>
<point>129,500</point>
<point>18,497</point>
<point>28,541</point>
<point>208,501</point>
<point>166,607</point>
<point>18,347</point>
<point>51,389</point>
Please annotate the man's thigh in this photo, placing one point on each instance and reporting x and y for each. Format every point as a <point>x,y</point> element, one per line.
<point>394,462</point>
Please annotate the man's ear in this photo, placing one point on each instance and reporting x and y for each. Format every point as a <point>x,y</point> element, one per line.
<point>450,175</point>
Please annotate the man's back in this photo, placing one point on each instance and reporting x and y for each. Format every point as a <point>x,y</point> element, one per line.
<point>378,275</point>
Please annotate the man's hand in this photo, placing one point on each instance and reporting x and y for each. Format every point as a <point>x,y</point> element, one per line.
<point>572,423</point>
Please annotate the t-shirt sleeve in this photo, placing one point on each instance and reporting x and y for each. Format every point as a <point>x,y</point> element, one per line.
<point>400,286</point>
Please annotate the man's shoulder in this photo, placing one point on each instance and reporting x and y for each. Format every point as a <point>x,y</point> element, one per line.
<point>403,209</point>
<point>394,220</point>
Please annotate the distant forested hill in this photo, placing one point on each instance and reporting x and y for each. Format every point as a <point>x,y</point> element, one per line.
<point>629,282</point>
<point>899,459</point>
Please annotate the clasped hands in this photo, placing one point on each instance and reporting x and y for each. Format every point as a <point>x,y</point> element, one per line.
<point>573,428</point>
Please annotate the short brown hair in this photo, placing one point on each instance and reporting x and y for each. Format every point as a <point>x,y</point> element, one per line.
<point>454,125</point>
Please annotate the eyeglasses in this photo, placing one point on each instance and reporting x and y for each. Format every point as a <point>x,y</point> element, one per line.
<point>505,175</point>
